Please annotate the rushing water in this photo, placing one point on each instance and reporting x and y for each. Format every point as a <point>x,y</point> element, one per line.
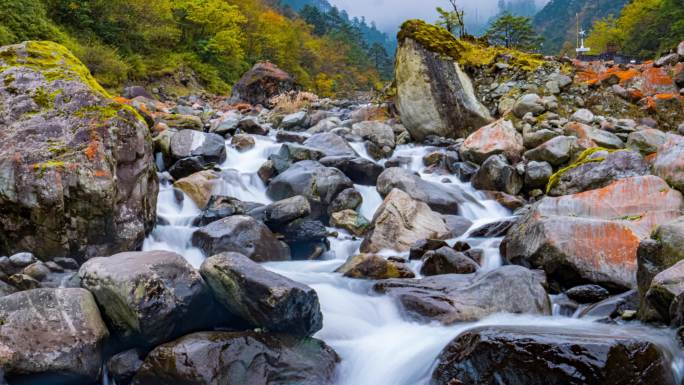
<point>378,346</point>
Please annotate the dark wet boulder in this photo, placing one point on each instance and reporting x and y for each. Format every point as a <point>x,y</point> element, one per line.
<point>347,199</point>
<point>319,184</point>
<point>598,170</point>
<point>587,293</point>
<point>307,238</point>
<point>221,206</point>
<point>419,248</point>
<point>537,175</point>
<point>147,297</point>
<point>446,260</point>
<point>74,163</point>
<point>547,355</point>
<point>252,125</point>
<point>290,153</point>
<point>441,100</point>
<point>371,266</point>
<point>262,298</point>
<point>123,366</point>
<point>497,174</point>
<point>240,234</point>
<point>494,229</point>
<point>282,212</point>
<point>261,83</point>
<point>209,358</point>
<point>211,148</point>
<point>454,298</point>
<point>665,293</point>
<point>359,170</point>
<point>188,166</point>
<point>51,336</point>
<point>613,307</point>
<point>441,198</point>
<point>330,144</point>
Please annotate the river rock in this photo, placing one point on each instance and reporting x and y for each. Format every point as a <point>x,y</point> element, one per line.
<point>537,174</point>
<point>74,164</point>
<point>260,297</point>
<point>592,236</point>
<point>243,142</point>
<point>360,170</point>
<point>556,151</point>
<point>592,175</point>
<point>446,260</point>
<point>434,95</point>
<point>51,334</point>
<point>370,266</point>
<point>210,147</point>
<point>380,135</point>
<point>123,366</point>
<point>583,116</point>
<point>669,162</point>
<point>330,144</point>
<point>199,186</point>
<point>240,234</point>
<point>307,238</point>
<point>261,83</point>
<point>647,141</point>
<point>282,212</point>
<point>351,221</point>
<point>499,137</point>
<point>596,136</point>
<point>319,184</point>
<point>454,298</point>
<point>441,198</point>
<point>400,221</point>
<point>220,207</point>
<point>188,166</point>
<point>587,293</point>
<point>497,174</point>
<point>294,120</point>
<point>529,103</point>
<point>612,307</point>
<point>146,297</point>
<point>420,247</point>
<point>209,358</point>
<point>550,355</point>
<point>665,287</point>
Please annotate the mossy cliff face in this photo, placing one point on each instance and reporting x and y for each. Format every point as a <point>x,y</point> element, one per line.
<point>76,168</point>
<point>434,96</point>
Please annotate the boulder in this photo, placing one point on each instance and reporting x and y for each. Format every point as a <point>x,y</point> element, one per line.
<point>596,171</point>
<point>330,145</point>
<point>647,141</point>
<point>666,287</point>
<point>146,297</point>
<point>587,293</point>
<point>282,212</point>
<point>612,307</point>
<point>209,358</point>
<point>210,147</point>
<point>180,121</point>
<point>347,199</point>
<point>319,184</point>
<point>74,164</point>
<point>537,174</point>
<point>290,153</point>
<point>243,142</point>
<point>251,125</point>
<point>199,186</point>
<point>55,335</point>
<point>360,170</point>
<point>262,298</point>
<point>583,115</point>
<point>594,135</point>
<point>529,103</point>
<point>446,260</point>
<point>419,248</point>
<point>499,137</point>
<point>370,266</point>
<point>454,298</point>
<point>240,234</point>
<point>592,237</point>
<point>434,95</point>
<point>669,163</point>
<point>261,83</point>
<point>400,221</point>
<point>497,174</point>
<point>380,136</point>
<point>294,120</point>
<point>556,150</point>
<point>307,238</point>
<point>441,198</point>
<point>351,221</point>
<point>220,207</point>
<point>123,366</point>
<point>188,166</point>
<point>551,355</point>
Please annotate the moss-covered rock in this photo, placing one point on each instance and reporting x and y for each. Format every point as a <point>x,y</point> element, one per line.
<point>76,169</point>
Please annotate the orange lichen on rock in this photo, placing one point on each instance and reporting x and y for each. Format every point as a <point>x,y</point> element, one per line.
<point>92,149</point>
<point>101,173</point>
<point>656,80</point>
<point>122,100</point>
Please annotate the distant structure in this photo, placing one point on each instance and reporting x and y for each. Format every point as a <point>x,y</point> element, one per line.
<point>611,54</point>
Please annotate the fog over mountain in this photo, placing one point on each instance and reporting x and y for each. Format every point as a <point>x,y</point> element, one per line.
<point>389,14</point>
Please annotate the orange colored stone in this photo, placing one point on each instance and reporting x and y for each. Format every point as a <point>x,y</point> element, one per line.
<point>122,100</point>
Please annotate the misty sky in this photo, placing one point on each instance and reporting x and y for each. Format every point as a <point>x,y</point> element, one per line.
<point>389,14</point>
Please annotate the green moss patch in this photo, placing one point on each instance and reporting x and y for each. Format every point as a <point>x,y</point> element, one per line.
<point>583,159</point>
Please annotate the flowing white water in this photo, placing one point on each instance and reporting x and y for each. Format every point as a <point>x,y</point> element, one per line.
<point>378,346</point>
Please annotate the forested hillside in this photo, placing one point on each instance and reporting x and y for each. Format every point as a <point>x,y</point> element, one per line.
<point>644,28</point>
<point>556,22</point>
<point>218,40</point>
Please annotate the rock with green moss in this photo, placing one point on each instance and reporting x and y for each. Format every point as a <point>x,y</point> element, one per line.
<point>51,336</point>
<point>208,358</point>
<point>77,176</point>
<point>434,95</point>
<point>149,297</point>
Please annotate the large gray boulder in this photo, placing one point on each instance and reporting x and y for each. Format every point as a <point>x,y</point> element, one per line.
<point>454,298</point>
<point>497,174</point>
<point>400,221</point>
<point>434,95</point>
<point>330,144</point>
<point>260,297</point>
<point>211,148</point>
<point>147,297</point>
<point>549,355</point>
<point>441,198</point>
<point>52,334</point>
<point>209,358</point>
<point>360,170</point>
<point>77,175</point>
<point>241,234</point>
<point>261,83</point>
<point>319,184</point>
